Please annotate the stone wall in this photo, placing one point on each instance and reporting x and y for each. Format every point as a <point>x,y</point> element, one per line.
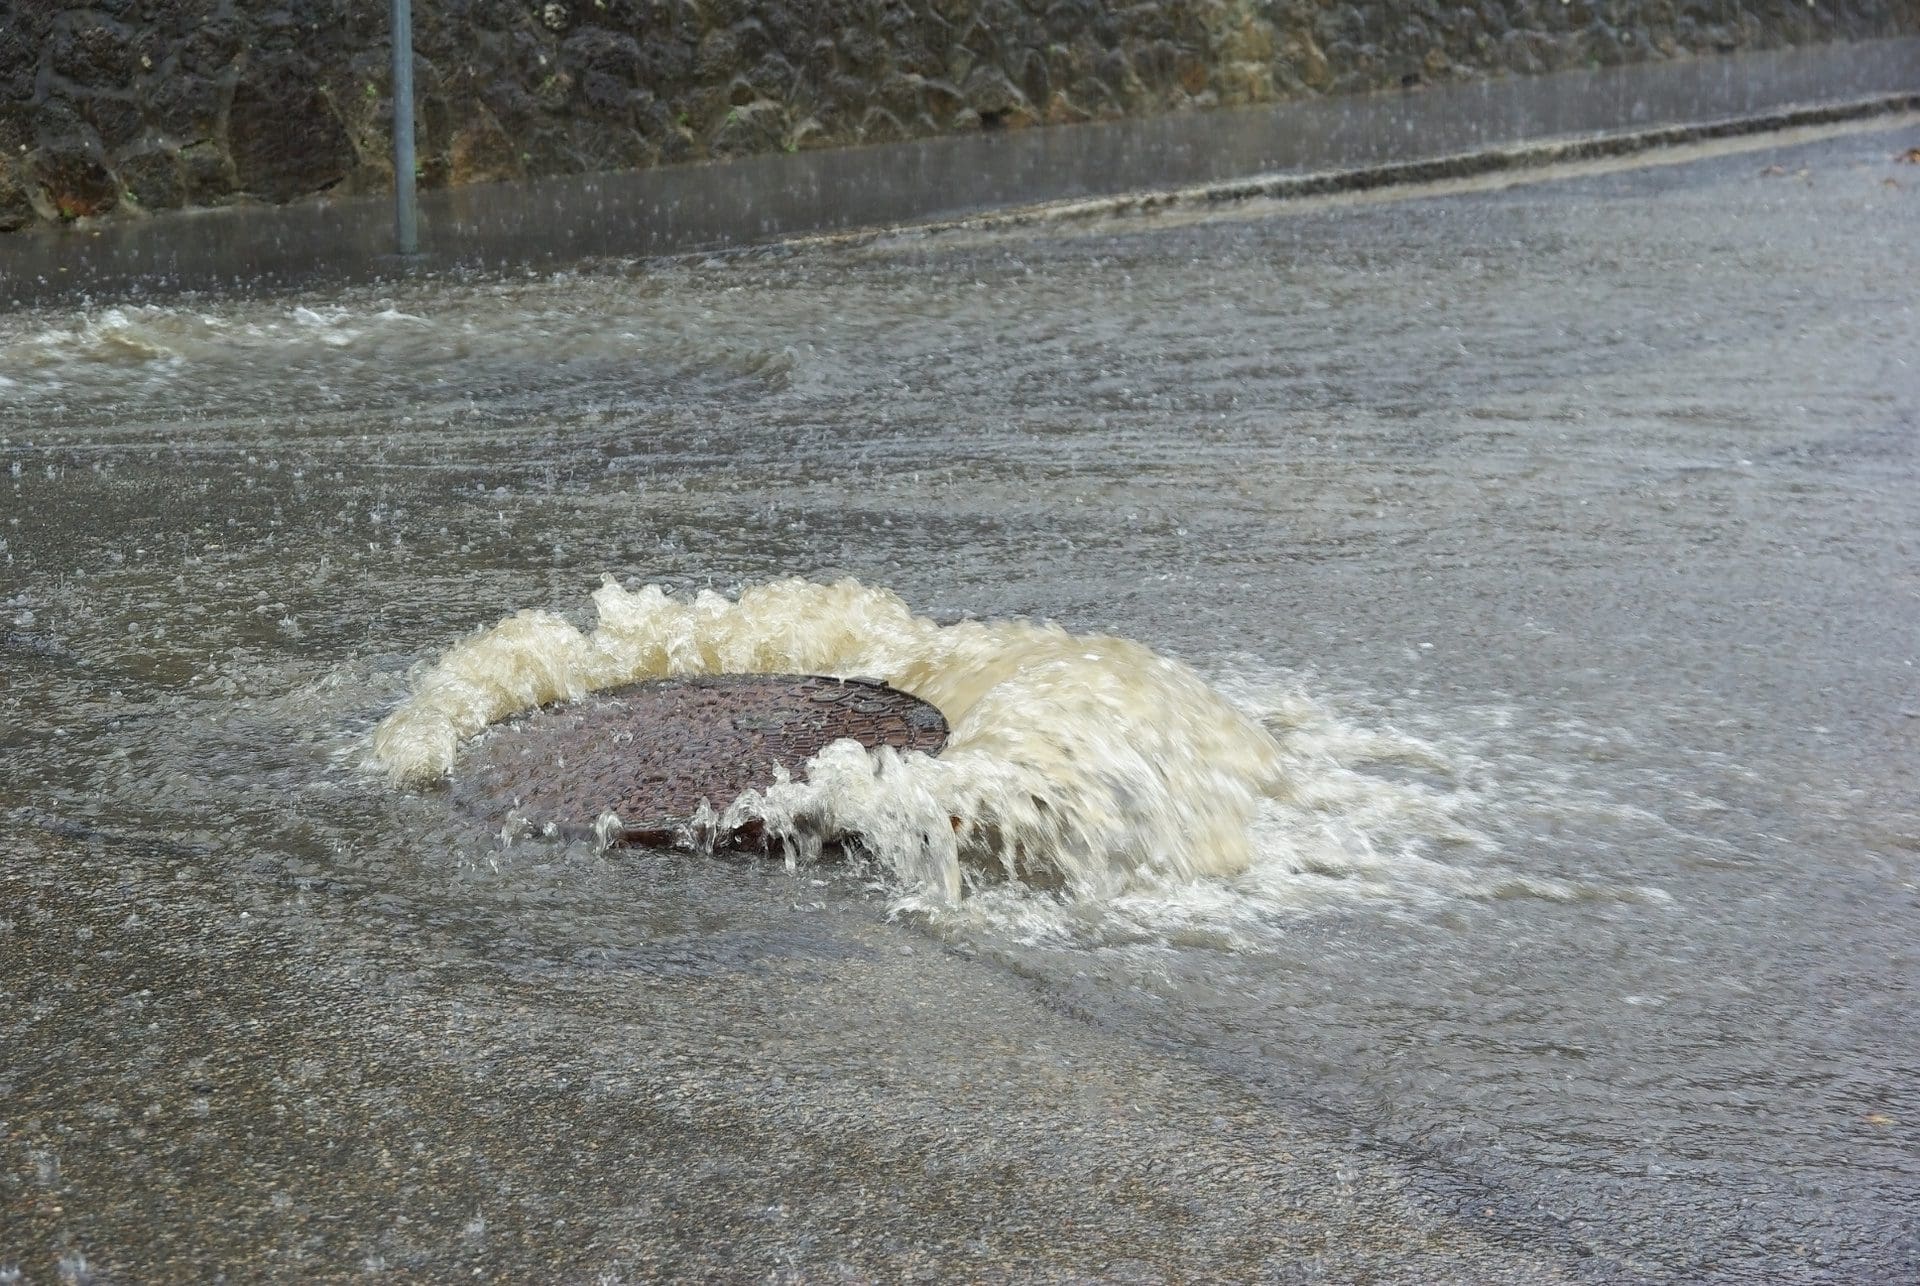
<point>118,106</point>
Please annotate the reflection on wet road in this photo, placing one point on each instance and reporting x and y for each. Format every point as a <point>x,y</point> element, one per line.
<point>1559,539</point>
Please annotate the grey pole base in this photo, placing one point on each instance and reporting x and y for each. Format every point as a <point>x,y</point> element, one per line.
<point>406,208</point>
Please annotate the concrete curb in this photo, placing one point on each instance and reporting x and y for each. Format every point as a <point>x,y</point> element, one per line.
<point>1550,152</point>
<point>1455,166</point>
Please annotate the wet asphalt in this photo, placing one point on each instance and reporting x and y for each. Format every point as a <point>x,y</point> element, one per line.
<point>1635,443</point>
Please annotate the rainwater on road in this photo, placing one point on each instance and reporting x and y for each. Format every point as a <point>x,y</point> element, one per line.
<point>1563,534</point>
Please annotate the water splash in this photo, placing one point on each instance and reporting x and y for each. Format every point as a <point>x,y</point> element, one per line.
<point>1074,761</point>
<point>1090,789</point>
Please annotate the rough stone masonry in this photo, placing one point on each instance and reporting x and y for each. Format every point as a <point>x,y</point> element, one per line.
<point>121,106</point>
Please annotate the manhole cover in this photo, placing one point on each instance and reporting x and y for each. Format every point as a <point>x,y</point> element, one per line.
<point>653,752</point>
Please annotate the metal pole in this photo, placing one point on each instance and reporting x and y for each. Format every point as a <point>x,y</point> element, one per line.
<point>406,209</point>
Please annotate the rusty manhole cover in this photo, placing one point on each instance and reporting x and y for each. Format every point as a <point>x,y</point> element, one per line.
<point>653,752</point>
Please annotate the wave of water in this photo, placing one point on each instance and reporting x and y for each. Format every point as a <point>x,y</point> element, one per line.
<point>365,337</point>
<point>1075,758</point>
<point>1114,781</point>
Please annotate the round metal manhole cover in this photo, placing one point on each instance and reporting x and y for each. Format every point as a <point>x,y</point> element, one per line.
<point>652,753</point>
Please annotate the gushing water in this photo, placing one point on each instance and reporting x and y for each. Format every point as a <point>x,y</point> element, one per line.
<point>1078,760</point>
<point>1090,789</point>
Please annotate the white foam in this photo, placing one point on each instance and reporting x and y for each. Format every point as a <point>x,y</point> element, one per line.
<point>1072,759</point>
<point>1087,780</point>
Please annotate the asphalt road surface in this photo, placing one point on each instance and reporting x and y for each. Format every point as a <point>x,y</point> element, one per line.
<point>1563,532</point>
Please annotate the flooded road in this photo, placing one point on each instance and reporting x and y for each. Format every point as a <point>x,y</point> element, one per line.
<point>1495,861</point>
